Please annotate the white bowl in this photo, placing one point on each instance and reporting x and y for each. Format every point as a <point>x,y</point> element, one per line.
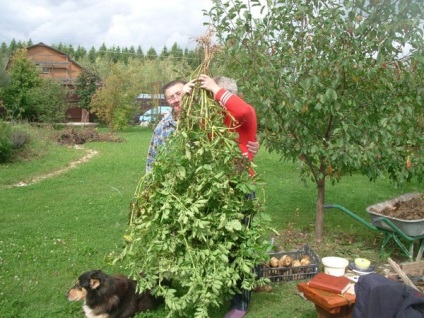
<point>335,266</point>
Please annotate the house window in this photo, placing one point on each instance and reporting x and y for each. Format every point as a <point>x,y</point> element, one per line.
<point>46,70</point>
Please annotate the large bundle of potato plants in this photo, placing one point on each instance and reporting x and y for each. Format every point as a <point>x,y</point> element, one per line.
<point>190,221</point>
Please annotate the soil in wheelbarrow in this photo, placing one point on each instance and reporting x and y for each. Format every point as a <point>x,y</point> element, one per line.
<point>406,210</point>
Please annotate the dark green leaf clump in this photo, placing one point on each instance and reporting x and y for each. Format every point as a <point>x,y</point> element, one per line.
<point>190,220</point>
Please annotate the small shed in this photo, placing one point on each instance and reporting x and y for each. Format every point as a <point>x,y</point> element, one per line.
<point>148,101</point>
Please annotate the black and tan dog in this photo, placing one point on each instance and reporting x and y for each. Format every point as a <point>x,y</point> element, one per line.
<point>110,297</point>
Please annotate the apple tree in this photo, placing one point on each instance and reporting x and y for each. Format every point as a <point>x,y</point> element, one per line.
<point>336,84</point>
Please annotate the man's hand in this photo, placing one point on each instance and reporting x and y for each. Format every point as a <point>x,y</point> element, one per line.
<point>253,147</point>
<point>188,88</point>
<point>209,84</point>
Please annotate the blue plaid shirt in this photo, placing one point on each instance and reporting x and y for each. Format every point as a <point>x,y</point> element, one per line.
<point>161,133</point>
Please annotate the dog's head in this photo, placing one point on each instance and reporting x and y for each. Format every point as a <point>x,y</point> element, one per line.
<point>86,283</point>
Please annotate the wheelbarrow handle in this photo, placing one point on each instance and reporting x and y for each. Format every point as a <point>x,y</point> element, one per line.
<point>329,206</point>
<point>353,215</point>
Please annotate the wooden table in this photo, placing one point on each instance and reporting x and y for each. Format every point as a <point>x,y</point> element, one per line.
<point>328,305</point>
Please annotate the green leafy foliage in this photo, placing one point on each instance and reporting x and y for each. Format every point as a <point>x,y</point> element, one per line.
<point>48,101</point>
<point>23,76</point>
<point>20,138</point>
<point>337,84</point>
<point>28,96</point>
<point>85,87</point>
<point>13,139</point>
<point>113,103</point>
<point>6,148</point>
<point>190,218</point>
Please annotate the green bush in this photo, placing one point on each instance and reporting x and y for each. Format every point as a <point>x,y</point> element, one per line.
<point>12,140</point>
<point>47,102</point>
<point>6,146</point>
<point>19,138</point>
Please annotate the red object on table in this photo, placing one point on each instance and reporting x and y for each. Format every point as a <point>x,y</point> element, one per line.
<point>332,284</point>
<point>328,305</point>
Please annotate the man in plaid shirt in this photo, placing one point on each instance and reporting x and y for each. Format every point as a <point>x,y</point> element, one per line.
<point>173,92</point>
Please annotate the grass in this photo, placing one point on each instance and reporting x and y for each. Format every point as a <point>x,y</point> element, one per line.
<point>49,156</point>
<point>57,228</point>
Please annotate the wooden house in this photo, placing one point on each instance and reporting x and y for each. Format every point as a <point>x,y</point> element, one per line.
<point>59,66</point>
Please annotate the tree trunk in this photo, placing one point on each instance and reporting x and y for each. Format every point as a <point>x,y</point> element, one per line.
<point>85,115</point>
<point>319,220</point>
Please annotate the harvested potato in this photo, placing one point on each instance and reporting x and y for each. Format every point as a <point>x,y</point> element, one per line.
<point>265,288</point>
<point>282,260</point>
<point>296,263</point>
<point>305,256</point>
<point>305,261</point>
<point>285,261</point>
<point>273,262</point>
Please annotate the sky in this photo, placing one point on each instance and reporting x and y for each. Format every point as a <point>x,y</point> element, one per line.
<point>90,23</point>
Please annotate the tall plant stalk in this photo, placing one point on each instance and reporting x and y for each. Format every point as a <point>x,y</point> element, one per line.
<point>190,221</point>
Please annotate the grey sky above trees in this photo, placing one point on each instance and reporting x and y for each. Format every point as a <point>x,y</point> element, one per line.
<point>90,23</point>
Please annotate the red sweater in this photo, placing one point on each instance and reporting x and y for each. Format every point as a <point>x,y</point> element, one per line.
<point>244,122</point>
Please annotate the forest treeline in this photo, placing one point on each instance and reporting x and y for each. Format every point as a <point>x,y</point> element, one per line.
<point>113,53</point>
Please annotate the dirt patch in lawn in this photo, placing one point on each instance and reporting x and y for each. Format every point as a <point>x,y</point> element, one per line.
<point>74,137</point>
<point>79,136</point>
<point>412,209</point>
<point>89,154</point>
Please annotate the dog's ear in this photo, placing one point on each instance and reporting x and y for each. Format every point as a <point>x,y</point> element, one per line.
<point>95,279</point>
<point>94,283</point>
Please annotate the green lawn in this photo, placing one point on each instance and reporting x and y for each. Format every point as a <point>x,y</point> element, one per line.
<point>56,229</point>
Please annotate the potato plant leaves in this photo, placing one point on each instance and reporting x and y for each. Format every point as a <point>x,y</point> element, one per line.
<point>190,220</point>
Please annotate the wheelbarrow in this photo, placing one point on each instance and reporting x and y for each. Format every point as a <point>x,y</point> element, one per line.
<point>393,229</point>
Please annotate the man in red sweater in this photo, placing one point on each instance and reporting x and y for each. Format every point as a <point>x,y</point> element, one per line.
<point>243,120</point>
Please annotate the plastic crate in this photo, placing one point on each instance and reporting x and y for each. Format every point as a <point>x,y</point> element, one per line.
<point>283,274</point>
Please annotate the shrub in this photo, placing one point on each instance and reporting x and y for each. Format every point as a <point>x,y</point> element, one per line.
<point>6,149</point>
<point>12,140</point>
<point>48,102</point>
<point>20,138</point>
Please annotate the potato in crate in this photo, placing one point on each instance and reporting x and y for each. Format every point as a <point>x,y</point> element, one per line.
<point>286,266</point>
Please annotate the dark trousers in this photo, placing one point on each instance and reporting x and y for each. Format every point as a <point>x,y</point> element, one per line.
<point>241,300</point>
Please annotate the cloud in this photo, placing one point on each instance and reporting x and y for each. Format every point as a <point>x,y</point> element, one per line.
<point>123,23</point>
